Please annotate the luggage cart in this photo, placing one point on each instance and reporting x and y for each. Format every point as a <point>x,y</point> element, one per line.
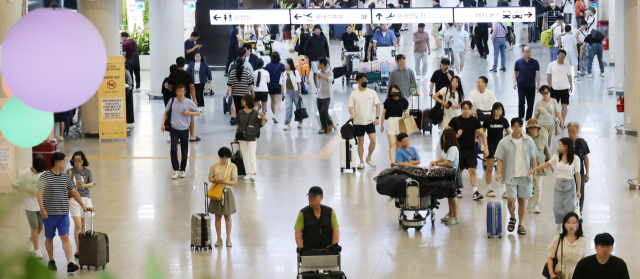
<point>322,261</point>
<point>383,83</point>
<point>413,202</point>
<point>351,60</point>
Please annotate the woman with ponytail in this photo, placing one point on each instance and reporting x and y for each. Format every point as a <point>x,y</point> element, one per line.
<point>261,88</point>
<point>240,83</point>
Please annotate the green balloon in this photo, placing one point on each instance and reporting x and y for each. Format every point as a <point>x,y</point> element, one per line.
<point>23,125</point>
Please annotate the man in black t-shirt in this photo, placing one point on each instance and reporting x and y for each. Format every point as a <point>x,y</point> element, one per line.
<point>467,127</point>
<point>181,77</point>
<point>441,78</point>
<point>602,264</point>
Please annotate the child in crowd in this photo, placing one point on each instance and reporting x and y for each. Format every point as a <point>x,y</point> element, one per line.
<point>406,155</point>
<point>82,178</point>
<point>26,183</point>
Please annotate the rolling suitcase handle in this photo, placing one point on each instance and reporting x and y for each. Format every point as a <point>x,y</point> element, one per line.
<point>85,221</point>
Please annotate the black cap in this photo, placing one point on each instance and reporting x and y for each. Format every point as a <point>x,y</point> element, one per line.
<point>317,26</point>
<point>315,191</point>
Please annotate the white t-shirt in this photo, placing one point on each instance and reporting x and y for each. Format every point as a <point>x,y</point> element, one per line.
<point>568,42</point>
<point>560,74</point>
<point>568,7</point>
<point>264,79</point>
<point>519,160</point>
<point>581,35</point>
<point>28,181</point>
<point>557,32</point>
<point>563,170</point>
<point>363,103</point>
<point>591,24</point>
<point>482,101</point>
<point>196,73</point>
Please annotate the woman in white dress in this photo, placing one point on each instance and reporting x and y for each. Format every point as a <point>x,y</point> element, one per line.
<point>568,248</point>
<point>450,97</point>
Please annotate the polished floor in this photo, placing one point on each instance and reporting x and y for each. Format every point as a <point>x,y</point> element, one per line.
<point>145,212</point>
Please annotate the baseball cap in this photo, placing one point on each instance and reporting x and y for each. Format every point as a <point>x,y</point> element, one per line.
<point>315,191</point>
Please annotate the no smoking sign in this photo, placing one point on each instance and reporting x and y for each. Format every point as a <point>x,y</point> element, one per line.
<point>111,84</point>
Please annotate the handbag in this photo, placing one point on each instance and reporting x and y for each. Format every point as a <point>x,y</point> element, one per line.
<point>301,112</point>
<point>241,135</point>
<point>408,125</point>
<point>217,189</point>
<point>167,120</point>
<point>558,128</point>
<point>545,270</point>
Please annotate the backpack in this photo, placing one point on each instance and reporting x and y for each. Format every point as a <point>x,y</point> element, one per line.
<point>135,57</point>
<point>547,37</point>
<point>347,132</point>
<point>303,66</point>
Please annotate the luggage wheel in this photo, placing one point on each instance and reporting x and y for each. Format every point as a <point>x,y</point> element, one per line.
<point>405,228</point>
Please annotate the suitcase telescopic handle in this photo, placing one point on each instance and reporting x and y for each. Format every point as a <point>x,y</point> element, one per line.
<point>91,212</point>
<point>206,200</point>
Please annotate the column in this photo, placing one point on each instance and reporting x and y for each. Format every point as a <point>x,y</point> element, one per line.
<point>616,47</point>
<point>106,16</point>
<point>631,70</point>
<point>613,32</point>
<point>166,39</point>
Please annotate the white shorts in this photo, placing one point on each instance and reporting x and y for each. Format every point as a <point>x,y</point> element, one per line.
<point>458,59</point>
<point>572,58</point>
<point>76,210</point>
<point>393,126</point>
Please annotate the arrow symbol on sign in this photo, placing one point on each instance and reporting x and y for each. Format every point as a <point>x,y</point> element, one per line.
<point>140,6</point>
<point>379,15</point>
<point>391,15</point>
<point>309,15</point>
<point>216,17</point>
<point>528,14</point>
<point>297,16</point>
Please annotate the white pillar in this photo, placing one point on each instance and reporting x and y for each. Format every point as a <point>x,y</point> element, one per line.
<point>616,45</point>
<point>106,16</point>
<point>166,39</point>
<point>611,11</point>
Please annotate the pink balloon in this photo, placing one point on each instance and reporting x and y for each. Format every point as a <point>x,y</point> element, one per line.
<point>53,59</point>
<point>6,89</point>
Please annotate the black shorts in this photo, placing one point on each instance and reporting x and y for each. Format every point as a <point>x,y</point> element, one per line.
<point>492,150</point>
<point>360,130</point>
<point>562,96</point>
<point>274,88</point>
<point>60,117</point>
<point>261,97</point>
<point>468,160</point>
<point>237,100</point>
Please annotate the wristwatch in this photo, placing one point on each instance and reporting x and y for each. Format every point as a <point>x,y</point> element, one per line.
<point>377,117</point>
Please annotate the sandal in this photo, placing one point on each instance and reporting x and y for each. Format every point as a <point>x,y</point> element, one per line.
<point>322,132</point>
<point>512,224</point>
<point>521,230</point>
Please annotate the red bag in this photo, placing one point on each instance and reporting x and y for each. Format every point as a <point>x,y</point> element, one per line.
<point>44,151</point>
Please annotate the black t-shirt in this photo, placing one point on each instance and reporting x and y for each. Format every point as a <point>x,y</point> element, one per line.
<point>590,268</point>
<point>441,79</point>
<point>181,77</point>
<point>286,27</point>
<point>274,29</point>
<point>495,129</point>
<point>166,93</point>
<point>349,40</point>
<point>469,127</point>
<point>395,108</point>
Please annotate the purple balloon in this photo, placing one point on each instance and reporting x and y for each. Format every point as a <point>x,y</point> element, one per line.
<point>54,59</point>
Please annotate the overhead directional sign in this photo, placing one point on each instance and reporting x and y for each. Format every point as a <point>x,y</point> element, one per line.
<point>413,15</point>
<point>191,6</point>
<point>330,16</point>
<point>234,17</point>
<point>495,14</point>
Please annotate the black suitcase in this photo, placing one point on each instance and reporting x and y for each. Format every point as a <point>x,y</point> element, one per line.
<point>417,114</point>
<point>426,121</point>
<point>94,248</point>
<point>237,159</point>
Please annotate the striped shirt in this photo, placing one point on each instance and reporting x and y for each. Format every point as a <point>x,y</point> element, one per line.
<point>240,87</point>
<point>499,30</point>
<point>55,187</point>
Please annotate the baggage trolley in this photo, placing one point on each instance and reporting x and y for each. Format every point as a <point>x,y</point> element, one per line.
<point>383,83</point>
<point>351,60</point>
<point>413,202</point>
<point>322,261</point>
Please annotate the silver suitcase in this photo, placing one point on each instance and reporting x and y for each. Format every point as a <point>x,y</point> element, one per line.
<point>201,227</point>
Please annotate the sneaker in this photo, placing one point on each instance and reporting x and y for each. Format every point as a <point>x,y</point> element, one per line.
<point>477,196</point>
<point>218,243</point>
<point>491,194</point>
<point>182,174</point>
<point>232,121</point>
<point>453,221</point>
<point>371,163</point>
<point>174,175</point>
<point>361,166</point>
<point>602,74</point>
<point>169,138</point>
<point>52,265</point>
<point>60,138</point>
<point>446,218</point>
<point>576,78</point>
<point>536,209</point>
<point>247,177</point>
<point>71,267</point>
<point>459,193</point>
<point>229,244</point>
<point>38,254</point>
<point>275,120</point>
<point>252,178</point>
<point>287,127</point>
<point>418,77</point>
<point>493,70</point>
<point>300,125</point>
<point>589,75</point>
<point>503,69</point>
<point>504,195</point>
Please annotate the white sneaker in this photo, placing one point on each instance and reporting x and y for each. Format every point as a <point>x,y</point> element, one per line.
<point>536,209</point>
<point>491,194</point>
<point>453,221</point>
<point>38,254</point>
<point>287,127</point>
<point>60,138</point>
<point>247,177</point>
<point>300,125</point>
<point>418,77</point>
<point>275,119</point>
<point>602,75</point>
<point>174,175</point>
<point>371,163</point>
<point>252,178</point>
<point>504,195</point>
<point>361,166</point>
<point>169,138</point>
<point>182,174</point>
<point>589,75</point>
<point>446,218</point>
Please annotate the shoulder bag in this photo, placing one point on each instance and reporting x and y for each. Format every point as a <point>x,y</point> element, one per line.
<point>241,135</point>
<point>301,111</point>
<point>217,189</point>
<point>558,128</point>
<point>167,120</point>
<point>545,270</point>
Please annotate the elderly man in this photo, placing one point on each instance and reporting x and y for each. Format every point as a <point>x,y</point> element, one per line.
<point>317,224</point>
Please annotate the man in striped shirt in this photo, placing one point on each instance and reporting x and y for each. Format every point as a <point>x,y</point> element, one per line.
<point>53,187</point>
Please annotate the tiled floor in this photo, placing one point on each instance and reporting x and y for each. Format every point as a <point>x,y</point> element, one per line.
<point>145,212</point>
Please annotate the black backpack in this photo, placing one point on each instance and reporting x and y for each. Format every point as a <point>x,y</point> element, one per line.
<point>135,57</point>
<point>347,132</point>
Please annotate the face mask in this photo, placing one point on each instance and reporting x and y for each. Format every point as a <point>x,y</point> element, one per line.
<point>363,84</point>
<point>552,4</point>
<point>395,96</point>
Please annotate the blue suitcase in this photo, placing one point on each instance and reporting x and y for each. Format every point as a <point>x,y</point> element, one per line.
<point>494,219</point>
<point>227,101</point>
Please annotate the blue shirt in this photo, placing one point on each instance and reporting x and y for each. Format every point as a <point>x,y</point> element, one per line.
<point>189,57</point>
<point>526,72</point>
<point>275,71</point>
<point>179,121</point>
<point>460,40</point>
<point>506,152</point>
<point>233,38</point>
<point>407,156</point>
<point>453,155</point>
<point>386,40</point>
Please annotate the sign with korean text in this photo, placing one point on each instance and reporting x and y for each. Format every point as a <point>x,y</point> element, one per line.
<point>331,16</point>
<point>112,98</point>
<point>8,172</point>
<point>495,14</point>
<point>413,15</point>
<point>236,17</point>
